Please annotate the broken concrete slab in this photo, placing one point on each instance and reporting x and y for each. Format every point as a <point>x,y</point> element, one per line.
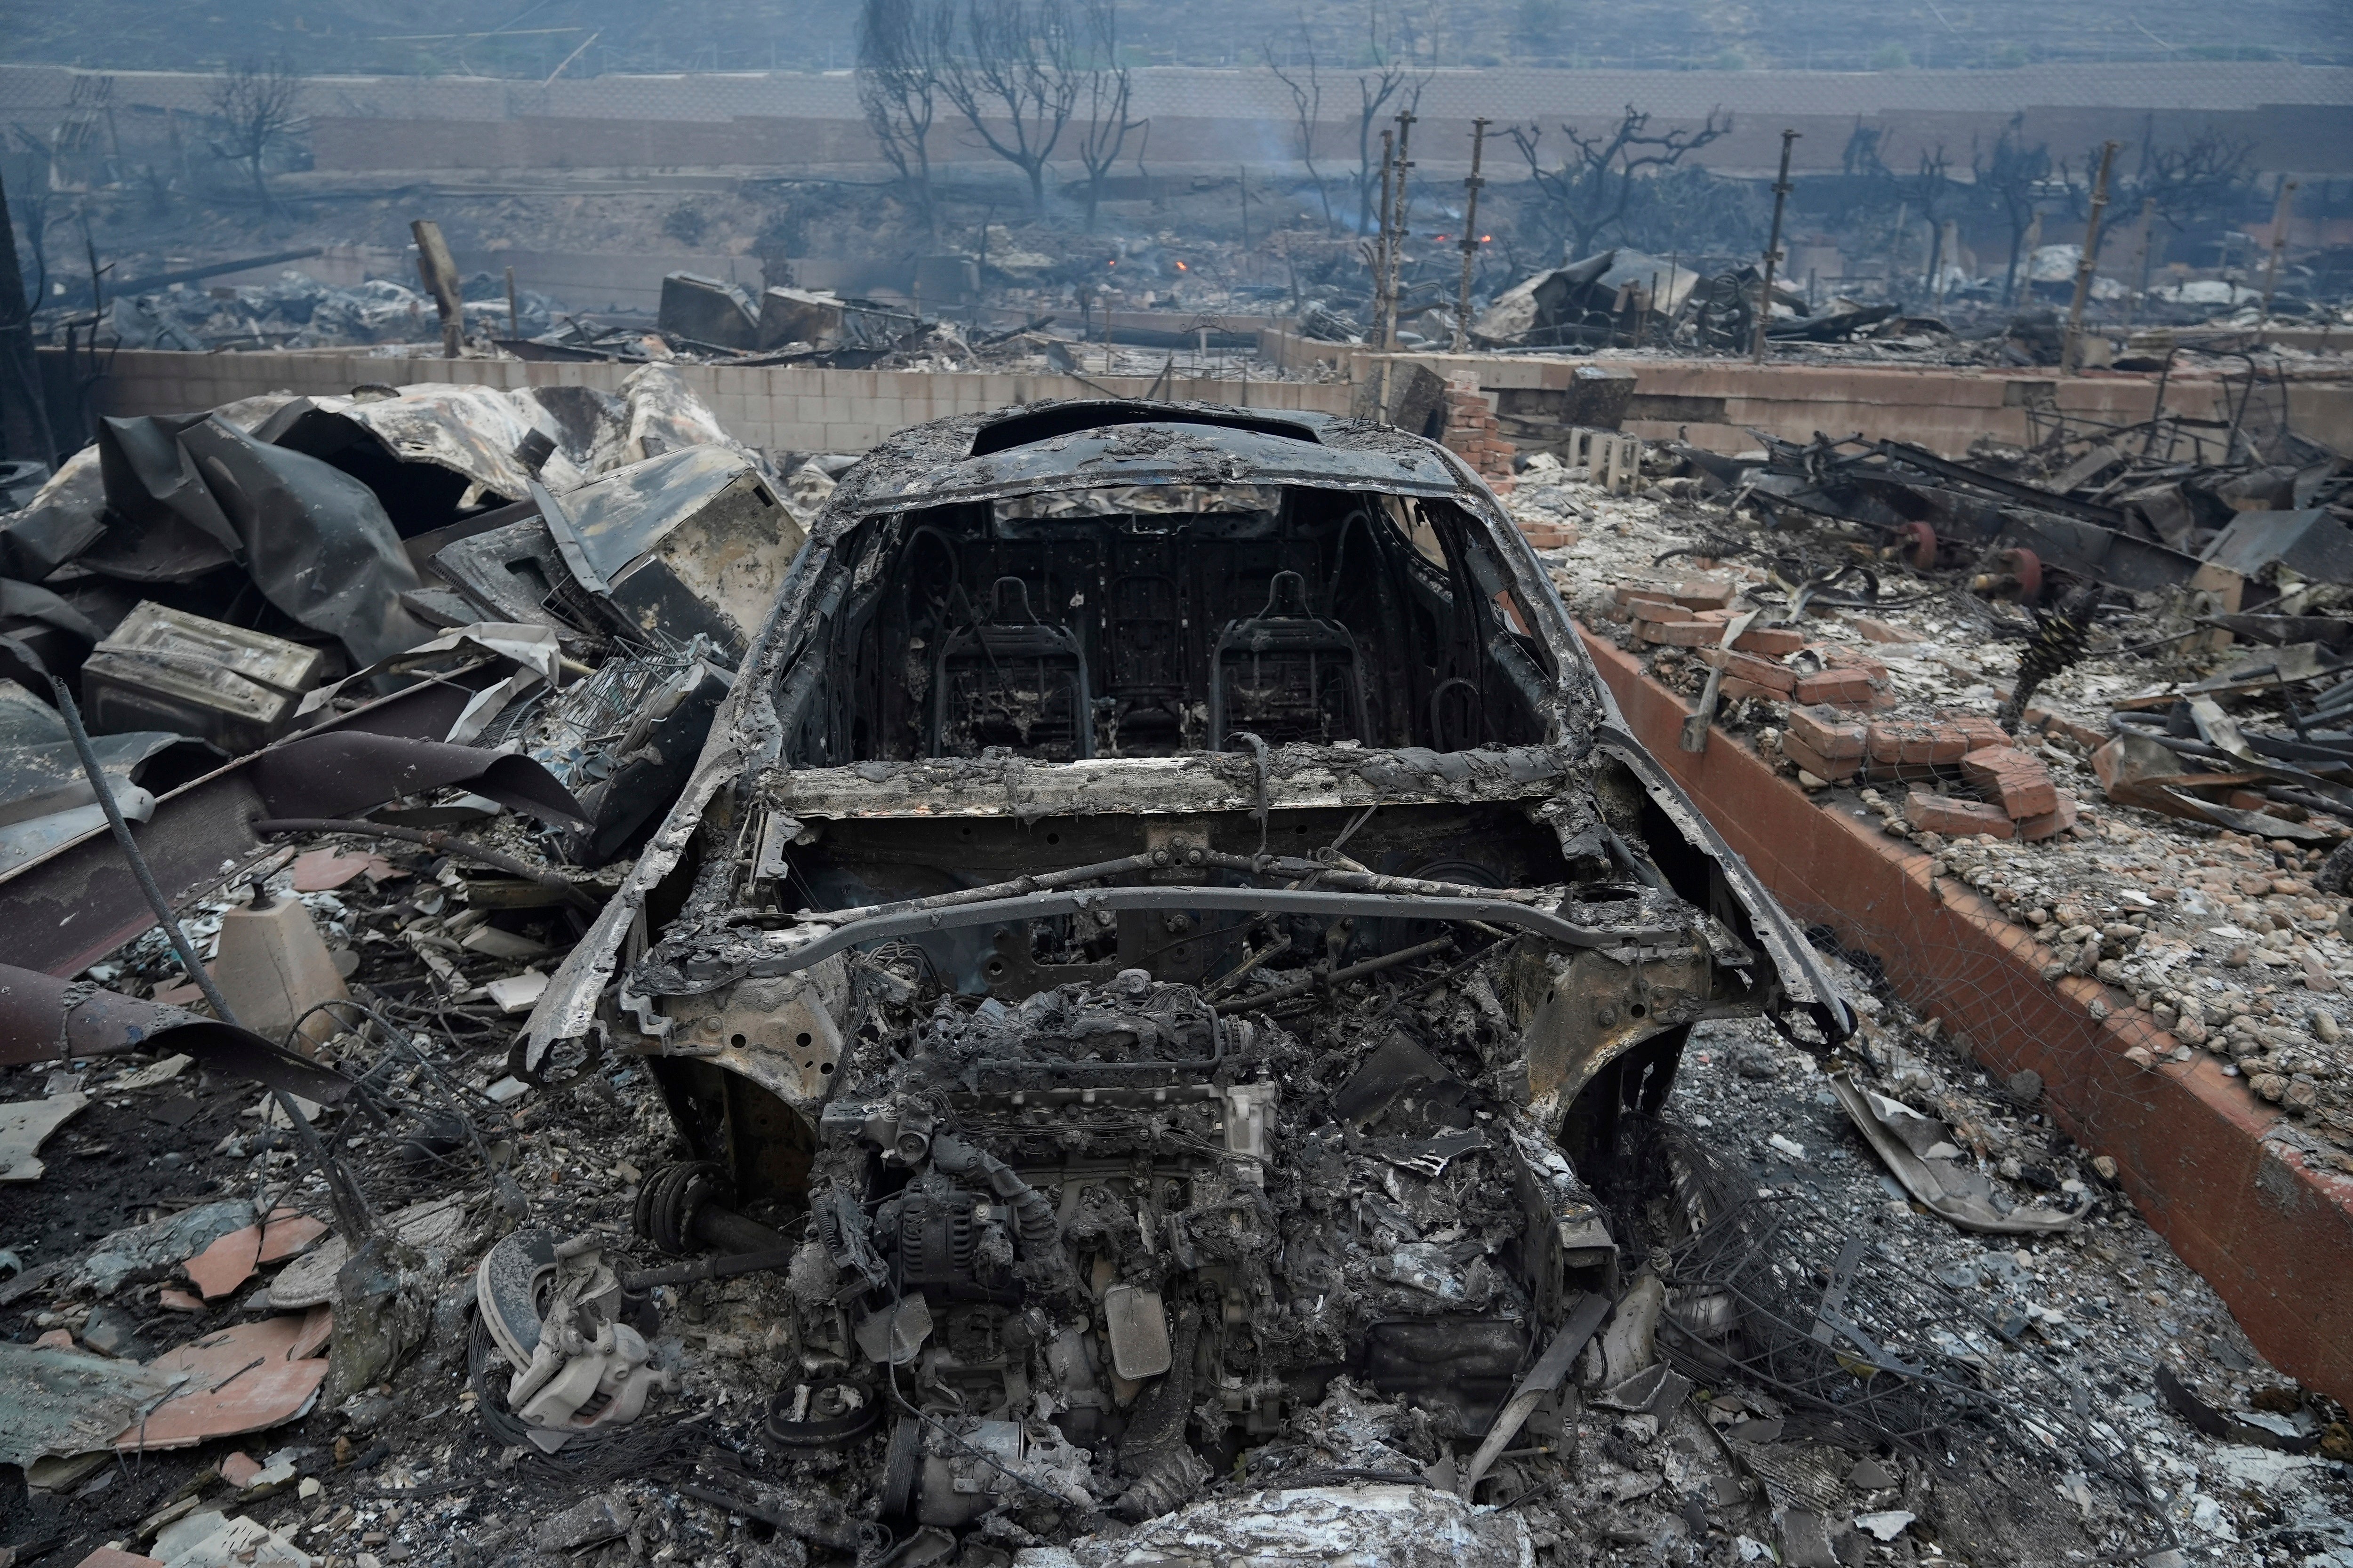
<point>26,1125</point>
<point>432,1227</point>
<point>211,1539</point>
<point>69,1402</point>
<point>153,1250</point>
<point>111,1557</point>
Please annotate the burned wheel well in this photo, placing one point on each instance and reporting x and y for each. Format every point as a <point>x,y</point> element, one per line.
<point>1634,1085</point>
<point>764,1144</point>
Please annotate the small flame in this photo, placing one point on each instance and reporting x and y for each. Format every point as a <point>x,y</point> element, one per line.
<point>1486,238</point>
<point>1182,267</point>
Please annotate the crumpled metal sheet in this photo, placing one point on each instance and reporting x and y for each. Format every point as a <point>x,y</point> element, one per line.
<point>316,540</point>
<point>152,484</point>
<point>36,780</point>
<point>63,519</point>
<point>691,543</point>
<point>56,1401</point>
<point>471,431</point>
<point>46,1018</point>
<point>665,415</point>
<point>31,602</point>
<point>1950,1188</point>
<point>342,771</point>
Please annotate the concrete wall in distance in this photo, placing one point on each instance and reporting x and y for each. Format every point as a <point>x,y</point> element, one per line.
<point>1717,404</point>
<point>1713,404</point>
<point>781,408</point>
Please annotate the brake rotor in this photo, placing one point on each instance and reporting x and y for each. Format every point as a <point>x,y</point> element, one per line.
<point>2025,566</point>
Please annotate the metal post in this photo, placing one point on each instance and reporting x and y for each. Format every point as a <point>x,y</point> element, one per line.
<point>2281,215</point>
<point>1396,258</point>
<point>1381,282</point>
<point>1470,235</point>
<point>514,316</point>
<point>1772,249</point>
<point>1397,228</point>
<point>2072,353</point>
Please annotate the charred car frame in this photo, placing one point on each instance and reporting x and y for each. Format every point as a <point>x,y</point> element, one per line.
<point>1170,913</point>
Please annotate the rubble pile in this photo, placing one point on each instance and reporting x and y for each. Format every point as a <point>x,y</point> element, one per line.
<point>938,1010</point>
<point>298,311</point>
<point>2080,808</point>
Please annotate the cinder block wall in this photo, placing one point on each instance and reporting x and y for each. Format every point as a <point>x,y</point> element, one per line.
<point>1713,404</point>
<point>781,408</point>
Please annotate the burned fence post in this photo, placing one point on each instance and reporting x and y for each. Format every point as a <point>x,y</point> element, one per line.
<point>2070,358</point>
<point>1772,250</point>
<point>1470,235</point>
<point>438,271</point>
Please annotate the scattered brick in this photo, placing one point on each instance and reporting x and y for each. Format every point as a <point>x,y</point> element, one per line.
<point>1956,818</point>
<point>1830,769</point>
<point>1655,607</point>
<point>1691,592</point>
<point>1549,536</point>
<point>2051,824</point>
<point>1843,687</point>
<point>1829,733</point>
<point>1933,742</point>
<point>1734,688</point>
<point>1679,634</point>
<point>1476,436</point>
<point>2019,780</point>
<point>1878,631</point>
<point>1773,678</point>
<point>1837,656</point>
<point>2091,737</point>
<point>1769,642</point>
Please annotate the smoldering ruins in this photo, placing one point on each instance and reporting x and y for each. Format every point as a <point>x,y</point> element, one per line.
<point>1060,789</point>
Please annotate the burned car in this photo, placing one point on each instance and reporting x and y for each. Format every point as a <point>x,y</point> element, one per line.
<point>1170,924</point>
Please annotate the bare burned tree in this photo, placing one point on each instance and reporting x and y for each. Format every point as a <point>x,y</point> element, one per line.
<point>903,46</point>
<point>1307,111</point>
<point>2011,178</point>
<point>1105,98</point>
<point>2193,184</point>
<point>1014,73</point>
<point>259,106</point>
<point>1931,192</point>
<point>1392,82</point>
<point>1592,191</point>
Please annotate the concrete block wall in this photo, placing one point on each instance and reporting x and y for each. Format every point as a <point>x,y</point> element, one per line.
<point>1713,404</point>
<point>781,408</point>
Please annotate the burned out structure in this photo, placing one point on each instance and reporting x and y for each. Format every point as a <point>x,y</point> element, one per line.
<point>1086,749</point>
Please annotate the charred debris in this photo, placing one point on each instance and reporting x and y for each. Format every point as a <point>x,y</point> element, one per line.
<point>1127,996</point>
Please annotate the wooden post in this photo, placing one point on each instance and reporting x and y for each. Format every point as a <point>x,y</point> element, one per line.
<point>2070,357</point>
<point>438,270</point>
